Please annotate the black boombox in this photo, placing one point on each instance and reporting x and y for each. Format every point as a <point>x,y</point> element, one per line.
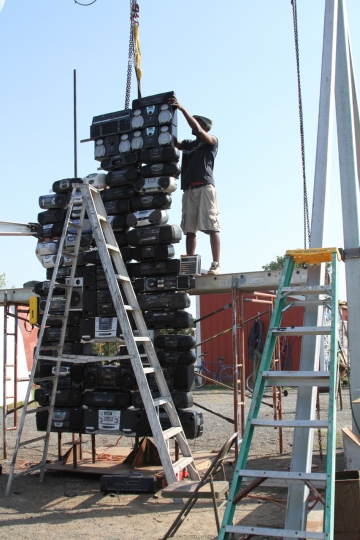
<point>113,400</point>
<point>110,124</point>
<point>156,99</point>
<point>168,319</point>
<point>180,358</point>
<point>118,223</point>
<point>63,420</point>
<point>160,155</point>
<point>165,283</point>
<point>154,268</point>
<point>184,400</point>
<point>122,177</point>
<point>63,398</point>
<point>66,185</point>
<point>110,194</point>
<point>105,305</point>
<point>163,184</point>
<point>74,318</point>
<point>178,378</point>
<point>72,333</point>
<point>79,349</point>
<point>173,342</point>
<point>65,271</point>
<point>151,137</point>
<point>144,202</point>
<point>170,300</point>
<point>150,111</point>
<point>144,218</point>
<point>119,161</point>
<point>50,230</point>
<point>70,375</point>
<point>54,200</point>
<point>42,289</point>
<point>154,234</point>
<point>49,216</point>
<point>111,146</point>
<point>111,377</point>
<point>101,328</point>
<point>162,251</point>
<point>160,169</point>
<point>192,423</point>
<point>118,206</point>
<point>86,241</point>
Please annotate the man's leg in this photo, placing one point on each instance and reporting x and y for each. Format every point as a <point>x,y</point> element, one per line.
<point>215,245</point>
<point>191,243</point>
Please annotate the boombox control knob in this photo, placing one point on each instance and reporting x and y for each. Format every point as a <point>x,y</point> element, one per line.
<point>116,420</point>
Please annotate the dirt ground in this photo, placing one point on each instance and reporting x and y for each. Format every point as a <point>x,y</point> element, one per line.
<point>71,506</point>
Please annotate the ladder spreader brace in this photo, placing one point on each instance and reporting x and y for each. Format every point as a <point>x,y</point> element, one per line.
<point>116,276</point>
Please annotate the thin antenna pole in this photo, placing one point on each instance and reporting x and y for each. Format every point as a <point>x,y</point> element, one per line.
<point>75,128</point>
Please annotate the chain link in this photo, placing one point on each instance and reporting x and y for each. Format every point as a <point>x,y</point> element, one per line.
<point>130,58</point>
<point>306,206</point>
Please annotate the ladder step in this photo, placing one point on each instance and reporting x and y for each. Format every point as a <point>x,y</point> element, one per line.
<point>50,316</point>
<point>301,330</point>
<point>150,370</point>
<point>122,278</point>
<point>75,225</point>
<point>290,423</point>
<point>282,533</point>
<point>38,409</point>
<point>42,438</point>
<point>161,400</point>
<point>306,303</point>
<point>304,291</point>
<point>182,463</point>
<point>130,308</point>
<point>281,475</point>
<point>171,432</point>
<point>101,218</point>
<point>9,365</point>
<point>296,378</point>
<point>28,471</point>
<point>142,339</point>
<point>50,378</point>
<point>50,348</point>
<point>112,248</point>
<point>23,380</point>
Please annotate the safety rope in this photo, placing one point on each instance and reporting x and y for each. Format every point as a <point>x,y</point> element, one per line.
<point>305,197</point>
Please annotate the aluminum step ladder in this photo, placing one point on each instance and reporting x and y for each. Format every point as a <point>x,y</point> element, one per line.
<point>318,296</point>
<point>116,275</point>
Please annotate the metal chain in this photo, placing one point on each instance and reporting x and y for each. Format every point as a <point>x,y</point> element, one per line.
<point>130,58</point>
<point>306,207</point>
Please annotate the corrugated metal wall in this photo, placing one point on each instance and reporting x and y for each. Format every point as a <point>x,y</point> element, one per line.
<point>222,345</point>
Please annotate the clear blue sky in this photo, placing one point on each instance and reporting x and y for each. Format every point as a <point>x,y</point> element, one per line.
<point>233,62</point>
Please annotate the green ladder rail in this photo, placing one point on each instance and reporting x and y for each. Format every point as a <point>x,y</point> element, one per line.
<point>314,296</point>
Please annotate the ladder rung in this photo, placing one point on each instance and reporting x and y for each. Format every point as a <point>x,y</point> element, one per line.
<point>306,303</point>
<point>182,463</point>
<point>112,248</point>
<point>150,370</point>
<point>38,409</point>
<point>290,423</point>
<point>143,339</point>
<point>10,397</point>
<point>51,316</point>
<point>101,218</point>
<point>9,365</point>
<point>304,291</point>
<point>76,225</point>
<point>171,432</point>
<point>281,475</point>
<point>161,400</point>
<point>50,378</point>
<point>130,308</point>
<point>69,254</point>
<point>282,533</point>
<point>122,278</point>
<point>28,471</point>
<point>301,331</point>
<point>42,438</point>
<point>23,380</point>
<point>296,378</point>
<point>50,348</point>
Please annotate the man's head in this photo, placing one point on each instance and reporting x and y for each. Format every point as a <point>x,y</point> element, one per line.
<point>204,122</point>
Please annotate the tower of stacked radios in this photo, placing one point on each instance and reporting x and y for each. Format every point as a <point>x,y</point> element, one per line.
<point>136,148</point>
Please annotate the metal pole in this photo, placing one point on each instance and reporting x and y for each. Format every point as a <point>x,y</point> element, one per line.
<point>75,128</point>
<point>4,378</point>
<point>15,367</point>
<point>296,511</point>
<point>347,126</point>
<point>235,364</point>
<point>242,363</point>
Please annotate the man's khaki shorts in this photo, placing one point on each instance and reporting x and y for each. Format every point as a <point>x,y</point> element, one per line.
<point>200,210</point>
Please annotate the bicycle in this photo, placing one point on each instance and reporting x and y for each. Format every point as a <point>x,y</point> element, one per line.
<point>223,374</point>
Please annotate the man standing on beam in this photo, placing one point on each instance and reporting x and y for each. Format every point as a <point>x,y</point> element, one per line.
<point>199,202</point>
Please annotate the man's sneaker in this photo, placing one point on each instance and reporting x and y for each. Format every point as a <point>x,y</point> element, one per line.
<point>215,268</point>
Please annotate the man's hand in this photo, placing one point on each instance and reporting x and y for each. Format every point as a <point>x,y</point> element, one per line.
<point>174,102</point>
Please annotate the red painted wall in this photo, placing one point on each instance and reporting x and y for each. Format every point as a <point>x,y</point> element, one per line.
<point>222,345</point>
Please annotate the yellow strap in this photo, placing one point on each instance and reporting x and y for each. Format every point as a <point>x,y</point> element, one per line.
<point>137,52</point>
<point>313,255</point>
